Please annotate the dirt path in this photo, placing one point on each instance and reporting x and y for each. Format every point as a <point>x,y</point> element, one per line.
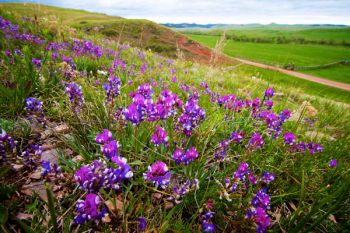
<point>312,78</point>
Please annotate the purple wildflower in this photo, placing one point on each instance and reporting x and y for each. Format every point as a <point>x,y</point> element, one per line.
<point>36,62</point>
<point>112,88</point>
<point>7,144</point>
<point>34,109</point>
<point>75,96</point>
<point>90,209</point>
<point>289,138</point>
<point>142,224</point>
<point>159,137</point>
<point>256,141</point>
<point>186,158</point>
<point>45,167</point>
<point>192,116</point>
<point>158,174</point>
<point>314,148</point>
<point>333,163</point>
<point>267,177</point>
<point>269,92</point>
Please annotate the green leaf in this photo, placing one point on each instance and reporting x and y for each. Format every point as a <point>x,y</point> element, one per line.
<point>4,214</point>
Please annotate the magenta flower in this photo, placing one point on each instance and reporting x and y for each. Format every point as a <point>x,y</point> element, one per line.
<point>112,88</point>
<point>160,136</point>
<point>269,92</point>
<point>75,96</point>
<point>158,174</point>
<point>104,137</point>
<point>90,209</point>
<point>186,158</point>
<point>267,177</point>
<point>333,163</point>
<point>289,138</point>
<point>256,141</point>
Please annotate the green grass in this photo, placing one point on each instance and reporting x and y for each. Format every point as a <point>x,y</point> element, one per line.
<point>301,33</point>
<point>287,82</point>
<point>282,54</point>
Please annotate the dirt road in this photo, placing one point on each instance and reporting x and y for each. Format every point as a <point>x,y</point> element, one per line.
<point>312,78</point>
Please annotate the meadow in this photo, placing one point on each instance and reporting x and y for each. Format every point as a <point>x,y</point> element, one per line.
<point>301,34</point>
<point>98,135</point>
<point>300,55</point>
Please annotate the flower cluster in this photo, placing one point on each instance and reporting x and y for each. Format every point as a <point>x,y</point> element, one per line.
<point>112,88</point>
<point>98,175</point>
<point>85,47</point>
<point>143,107</point>
<point>90,209</point>
<point>12,32</point>
<point>207,214</point>
<point>7,144</point>
<point>34,109</point>
<point>256,141</point>
<point>160,136</point>
<point>180,190</point>
<point>158,173</point>
<point>260,204</point>
<point>192,115</point>
<point>179,156</point>
<point>109,146</point>
<point>31,154</point>
<point>75,96</point>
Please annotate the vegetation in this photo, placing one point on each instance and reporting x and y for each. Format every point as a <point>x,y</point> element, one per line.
<point>280,34</point>
<point>283,54</point>
<point>102,136</point>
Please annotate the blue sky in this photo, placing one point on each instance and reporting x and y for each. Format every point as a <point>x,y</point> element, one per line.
<point>219,11</point>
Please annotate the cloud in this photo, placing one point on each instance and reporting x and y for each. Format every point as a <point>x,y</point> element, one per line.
<point>219,11</point>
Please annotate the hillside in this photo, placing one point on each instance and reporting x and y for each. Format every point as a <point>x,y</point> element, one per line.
<point>100,136</point>
<point>136,32</point>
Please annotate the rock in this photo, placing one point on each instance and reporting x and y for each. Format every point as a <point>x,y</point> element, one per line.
<point>35,187</point>
<point>17,167</point>
<point>35,175</point>
<point>77,158</point>
<point>50,155</point>
<point>47,146</point>
<point>68,152</point>
<point>111,207</point>
<point>157,196</point>
<point>47,133</point>
<point>23,216</point>
<point>63,128</point>
<point>106,219</point>
<point>169,205</point>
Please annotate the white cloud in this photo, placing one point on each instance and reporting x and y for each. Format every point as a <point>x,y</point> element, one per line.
<point>219,11</point>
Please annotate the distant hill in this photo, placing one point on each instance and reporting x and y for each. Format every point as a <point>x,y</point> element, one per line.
<point>253,25</point>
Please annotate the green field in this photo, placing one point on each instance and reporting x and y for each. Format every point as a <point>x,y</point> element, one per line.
<point>283,33</point>
<point>282,54</point>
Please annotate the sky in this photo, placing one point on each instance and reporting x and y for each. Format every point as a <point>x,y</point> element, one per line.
<point>218,11</point>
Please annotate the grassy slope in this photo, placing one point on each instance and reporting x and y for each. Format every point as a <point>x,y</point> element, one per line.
<point>281,54</point>
<point>137,32</point>
<point>301,181</point>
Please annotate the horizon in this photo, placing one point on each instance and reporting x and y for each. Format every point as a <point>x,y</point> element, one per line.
<point>294,12</point>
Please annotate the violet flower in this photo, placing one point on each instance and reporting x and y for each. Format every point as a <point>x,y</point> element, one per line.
<point>90,209</point>
<point>160,136</point>
<point>158,173</point>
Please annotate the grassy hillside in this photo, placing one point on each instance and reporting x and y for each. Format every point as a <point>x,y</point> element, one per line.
<point>103,137</point>
<point>283,54</point>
